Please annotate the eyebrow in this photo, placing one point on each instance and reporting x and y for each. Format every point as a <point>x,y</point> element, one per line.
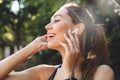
<point>57,15</point>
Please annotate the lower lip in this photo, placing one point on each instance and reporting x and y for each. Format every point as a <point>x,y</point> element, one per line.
<point>49,38</point>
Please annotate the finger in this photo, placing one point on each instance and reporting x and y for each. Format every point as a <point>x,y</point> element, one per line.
<point>71,35</point>
<point>77,39</point>
<point>44,46</point>
<point>75,47</point>
<point>69,41</point>
<point>44,38</point>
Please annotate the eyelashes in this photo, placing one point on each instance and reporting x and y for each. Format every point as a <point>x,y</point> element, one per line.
<point>56,21</point>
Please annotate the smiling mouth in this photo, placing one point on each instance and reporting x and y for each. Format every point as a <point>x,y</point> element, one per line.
<point>50,36</point>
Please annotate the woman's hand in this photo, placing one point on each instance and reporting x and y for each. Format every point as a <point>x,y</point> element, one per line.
<point>38,44</point>
<point>72,48</point>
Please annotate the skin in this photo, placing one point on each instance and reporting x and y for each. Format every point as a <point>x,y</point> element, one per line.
<point>66,41</point>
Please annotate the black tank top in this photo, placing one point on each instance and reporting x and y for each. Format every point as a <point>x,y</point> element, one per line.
<point>53,75</point>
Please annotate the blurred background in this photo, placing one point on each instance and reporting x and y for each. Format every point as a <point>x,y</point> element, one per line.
<point>21,21</point>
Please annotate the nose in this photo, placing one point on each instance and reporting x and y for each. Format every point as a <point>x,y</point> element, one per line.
<point>48,27</point>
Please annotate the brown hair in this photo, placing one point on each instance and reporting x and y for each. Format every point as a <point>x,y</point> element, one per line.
<point>92,41</point>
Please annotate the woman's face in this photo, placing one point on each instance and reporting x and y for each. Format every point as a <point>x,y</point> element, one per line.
<point>60,23</point>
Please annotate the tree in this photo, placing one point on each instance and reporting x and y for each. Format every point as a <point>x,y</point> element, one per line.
<point>28,23</point>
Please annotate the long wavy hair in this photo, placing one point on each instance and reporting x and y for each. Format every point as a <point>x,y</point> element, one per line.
<point>92,41</point>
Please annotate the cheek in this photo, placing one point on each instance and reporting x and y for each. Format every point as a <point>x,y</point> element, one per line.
<point>60,36</point>
<point>63,27</point>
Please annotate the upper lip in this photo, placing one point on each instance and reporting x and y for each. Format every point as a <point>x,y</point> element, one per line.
<point>50,34</point>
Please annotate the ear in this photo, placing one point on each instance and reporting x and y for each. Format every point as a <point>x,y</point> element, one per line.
<point>80,27</point>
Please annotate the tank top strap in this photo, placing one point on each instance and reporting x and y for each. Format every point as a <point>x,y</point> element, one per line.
<point>54,73</point>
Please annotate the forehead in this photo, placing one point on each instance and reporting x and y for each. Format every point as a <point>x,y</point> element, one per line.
<point>61,12</point>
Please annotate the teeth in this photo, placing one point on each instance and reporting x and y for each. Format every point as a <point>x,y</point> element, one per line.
<point>50,35</point>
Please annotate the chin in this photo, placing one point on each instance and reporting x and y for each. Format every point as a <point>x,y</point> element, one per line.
<point>53,46</point>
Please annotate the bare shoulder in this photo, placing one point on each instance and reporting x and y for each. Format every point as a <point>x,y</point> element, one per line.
<point>43,71</point>
<point>42,67</point>
<point>40,72</point>
<point>104,72</point>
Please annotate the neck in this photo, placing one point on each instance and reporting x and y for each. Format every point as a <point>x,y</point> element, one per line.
<point>79,60</point>
<point>77,68</point>
<point>62,52</point>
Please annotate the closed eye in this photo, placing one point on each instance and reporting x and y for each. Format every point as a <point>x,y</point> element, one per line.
<point>56,20</point>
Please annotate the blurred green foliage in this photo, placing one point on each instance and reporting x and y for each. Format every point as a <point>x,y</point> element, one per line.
<point>24,26</point>
<point>28,23</point>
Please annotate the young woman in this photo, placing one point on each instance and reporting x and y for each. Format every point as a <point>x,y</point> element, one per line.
<point>81,44</point>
